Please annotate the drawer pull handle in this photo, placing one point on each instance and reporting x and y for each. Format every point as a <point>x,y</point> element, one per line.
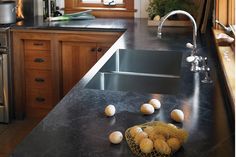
<point>38,60</point>
<point>38,44</point>
<point>40,80</point>
<point>99,49</point>
<point>40,99</point>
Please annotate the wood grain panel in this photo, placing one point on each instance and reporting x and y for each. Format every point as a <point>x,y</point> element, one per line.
<point>104,48</point>
<point>39,99</point>
<point>77,59</point>
<point>37,59</point>
<point>37,45</point>
<point>227,61</point>
<point>39,79</point>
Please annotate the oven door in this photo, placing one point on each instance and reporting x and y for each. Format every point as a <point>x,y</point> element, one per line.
<point>4,104</point>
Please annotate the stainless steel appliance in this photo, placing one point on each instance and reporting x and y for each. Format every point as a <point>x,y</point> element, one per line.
<point>7,12</point>
<point>5,85</point>
<point>32,8</point>
<point>49,8</point>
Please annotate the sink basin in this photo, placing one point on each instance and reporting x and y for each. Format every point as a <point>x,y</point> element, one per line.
<point>140,71</point>
<point>145,61</point>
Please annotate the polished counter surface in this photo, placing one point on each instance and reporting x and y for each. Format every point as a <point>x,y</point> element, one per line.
<point>77,125</point>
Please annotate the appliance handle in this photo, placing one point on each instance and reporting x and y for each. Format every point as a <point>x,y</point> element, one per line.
<point>1,80</point>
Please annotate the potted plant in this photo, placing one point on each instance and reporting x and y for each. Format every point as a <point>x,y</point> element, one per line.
<point>159,8</point>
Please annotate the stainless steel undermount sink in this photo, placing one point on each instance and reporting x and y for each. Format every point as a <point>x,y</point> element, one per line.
<point>140,71</point>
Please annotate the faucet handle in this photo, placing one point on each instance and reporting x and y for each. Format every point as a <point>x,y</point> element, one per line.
<point>190,59</point>
<point>189,45</point>
<point>207,78</point>
<point>205,62</point>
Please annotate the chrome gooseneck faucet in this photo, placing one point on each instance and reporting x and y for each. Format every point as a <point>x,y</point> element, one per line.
<point>195,60</point>
<point>189,45</point>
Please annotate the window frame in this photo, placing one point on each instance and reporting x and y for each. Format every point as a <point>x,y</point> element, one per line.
<point>101,5</point>
<point>99,10</point>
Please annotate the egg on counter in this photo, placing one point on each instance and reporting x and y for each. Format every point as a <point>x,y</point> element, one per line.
<point>147,109</point>
<point>110,110</point>
<point>116,137</point>
<point>177,115</point>
<point>155,103</point>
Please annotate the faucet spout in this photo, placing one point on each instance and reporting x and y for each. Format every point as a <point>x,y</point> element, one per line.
<point>163,19</point>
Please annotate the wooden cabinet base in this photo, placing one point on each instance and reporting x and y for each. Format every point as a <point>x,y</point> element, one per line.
<point>47,64</point>
<point>36,113</point>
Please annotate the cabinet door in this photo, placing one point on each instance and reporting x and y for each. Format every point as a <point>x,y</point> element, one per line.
<point>102,49</point>
<point>77,59</point>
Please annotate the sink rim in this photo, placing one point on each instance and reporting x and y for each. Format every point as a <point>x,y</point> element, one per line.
<point>139,74</point>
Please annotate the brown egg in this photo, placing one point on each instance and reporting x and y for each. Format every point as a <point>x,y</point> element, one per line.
<point>139,137</point>
<point>153,136</point>
<point>172,125</point>
<point>148,130</point>
<point>162,147</point>
<point>174,144</point>
<point>146,145</point>
<point>134,130</point>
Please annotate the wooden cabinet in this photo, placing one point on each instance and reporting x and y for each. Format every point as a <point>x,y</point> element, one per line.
<point>47,64</point>
<point>36,89</point>
<point>77,59</point>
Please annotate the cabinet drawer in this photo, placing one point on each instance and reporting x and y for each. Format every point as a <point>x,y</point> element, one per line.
<point>39,99</point>
<point>39,79</point>
<point>37,45</point>
<point>37,60</point>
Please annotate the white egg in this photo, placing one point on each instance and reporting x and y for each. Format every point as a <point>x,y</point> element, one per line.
<point>155,103</point>
<point>110,110</point>
<point>147,109</point>
<point>135,130</point>
<point>146,145</point>
<point>177,115</point>
<point>116,137</point>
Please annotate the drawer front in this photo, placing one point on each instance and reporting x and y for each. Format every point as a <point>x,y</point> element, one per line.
<point>39,99</point>
<point>37,60</point>
<point>37,45</point>
<point>39,79</point>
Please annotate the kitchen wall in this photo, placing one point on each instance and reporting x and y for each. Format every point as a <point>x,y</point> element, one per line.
<point>140,5</point>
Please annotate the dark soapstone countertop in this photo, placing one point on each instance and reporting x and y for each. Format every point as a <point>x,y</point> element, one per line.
<point>77,127</point>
